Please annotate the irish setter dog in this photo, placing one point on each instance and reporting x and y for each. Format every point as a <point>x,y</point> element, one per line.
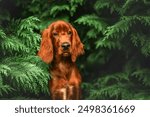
<point>61,46</point>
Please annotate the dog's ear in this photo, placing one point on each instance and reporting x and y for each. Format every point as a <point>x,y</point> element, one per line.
<point>77,46</point>
<point>46,47</point>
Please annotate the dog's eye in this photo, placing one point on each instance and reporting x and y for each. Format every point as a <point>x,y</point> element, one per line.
<point>55,34</point>
<point>69,33</point>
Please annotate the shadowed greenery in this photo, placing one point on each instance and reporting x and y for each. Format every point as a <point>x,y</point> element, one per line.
<point>116,36</point>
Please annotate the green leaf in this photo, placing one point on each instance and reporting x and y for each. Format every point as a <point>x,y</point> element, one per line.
<point>58,8</point>
<point>92,21</point>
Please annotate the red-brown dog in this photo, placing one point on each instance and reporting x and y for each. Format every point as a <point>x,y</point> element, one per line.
<point>61,46</point>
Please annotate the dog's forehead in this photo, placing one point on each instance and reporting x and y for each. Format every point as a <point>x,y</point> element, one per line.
<point>61,26</point>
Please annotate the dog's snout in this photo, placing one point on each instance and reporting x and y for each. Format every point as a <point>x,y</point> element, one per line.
<point>65,45</point>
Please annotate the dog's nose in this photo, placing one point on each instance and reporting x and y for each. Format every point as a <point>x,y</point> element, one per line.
<point>65,45</point>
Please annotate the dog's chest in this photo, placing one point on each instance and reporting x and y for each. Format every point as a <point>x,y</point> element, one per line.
<point>62,70</point>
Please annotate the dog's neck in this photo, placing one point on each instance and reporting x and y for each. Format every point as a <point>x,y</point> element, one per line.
<point>65,61</point>
<point>64,66</point>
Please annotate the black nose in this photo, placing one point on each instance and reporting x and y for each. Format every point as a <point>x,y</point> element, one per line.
<point>65,46</point>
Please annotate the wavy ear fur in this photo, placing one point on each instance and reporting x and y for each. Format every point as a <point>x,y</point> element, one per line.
<point>46,48</point>
<point>77,46</point>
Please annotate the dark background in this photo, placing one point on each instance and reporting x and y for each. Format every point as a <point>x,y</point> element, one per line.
<point>116,35</point>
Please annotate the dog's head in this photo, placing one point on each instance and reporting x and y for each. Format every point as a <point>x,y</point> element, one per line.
<point>61,39</point>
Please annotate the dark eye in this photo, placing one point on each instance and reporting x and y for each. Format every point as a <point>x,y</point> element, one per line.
<point>69,33</point>
<point>55,34</point>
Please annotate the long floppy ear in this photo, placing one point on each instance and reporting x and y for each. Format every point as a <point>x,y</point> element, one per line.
<point>46,48</point>
<point>77,46</point>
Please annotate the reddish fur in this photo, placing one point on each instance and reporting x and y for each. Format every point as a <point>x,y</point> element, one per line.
<point>66,78</point>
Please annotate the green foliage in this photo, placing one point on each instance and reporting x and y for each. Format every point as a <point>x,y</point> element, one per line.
<point>143,76</point>
<point>4,88</point>
<point>21,71</point>
<point>121,30</point>
<point>58,8</point>
<point>116,40</point>
<point>121,85</point>
<point>92,21</point>
<point>74,5</point>
<point>26,33</point>
<point>128,35</point>
<point>112,5</point>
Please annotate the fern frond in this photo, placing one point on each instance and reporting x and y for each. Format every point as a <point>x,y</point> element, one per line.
<point>29,23</point>
<point>126,6</point>
<point>92,21</point>
<point>4,69</point>
<point>109,4</point>
<point>26,31</point>
<point>5,89</point>
<point>145,50</point>
<point>134,7</point>
<point>2,35</point>
<point>59,8</point>
<point>110,92</point>
<point>30,39</point>
<point>142,41</point>
<point>117,31</point>
<point>135,38</point>
<point>143,75</point>
<point>120,29</point>
<point>145,20</point>
<point>27,76</point>
<point>113,86</point>
<point>105,43</point>
<point>113,78</point>
<point>13,44</point>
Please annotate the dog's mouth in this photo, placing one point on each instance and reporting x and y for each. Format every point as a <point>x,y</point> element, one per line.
<point>66,54</point>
